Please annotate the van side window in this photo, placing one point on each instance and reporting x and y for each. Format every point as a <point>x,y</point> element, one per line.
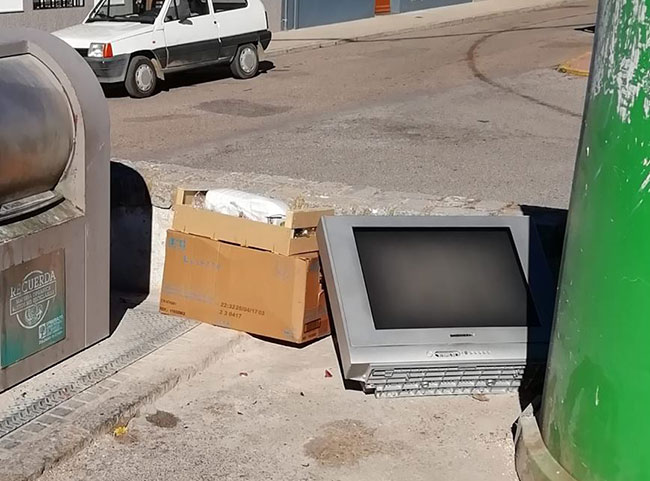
<point>186,9</point>
<point>172,12</point>
<point>198,7</point>
<point>223,5</point>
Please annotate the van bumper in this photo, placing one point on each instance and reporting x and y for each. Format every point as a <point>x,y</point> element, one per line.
<point>109,70</point>
<point>265,39</point>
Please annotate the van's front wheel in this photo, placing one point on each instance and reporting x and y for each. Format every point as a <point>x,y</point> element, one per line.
<point>141,78</point>
<point>246,63</point>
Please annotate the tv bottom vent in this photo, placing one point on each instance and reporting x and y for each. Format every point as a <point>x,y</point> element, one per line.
<point>444,380</point>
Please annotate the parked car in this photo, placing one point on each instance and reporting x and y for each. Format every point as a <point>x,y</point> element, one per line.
<point>138,42</point>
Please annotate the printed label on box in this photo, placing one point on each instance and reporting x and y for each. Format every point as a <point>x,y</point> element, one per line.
<point>33,299</point>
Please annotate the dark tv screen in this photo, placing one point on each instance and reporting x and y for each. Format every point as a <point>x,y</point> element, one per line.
<point>422,278</point>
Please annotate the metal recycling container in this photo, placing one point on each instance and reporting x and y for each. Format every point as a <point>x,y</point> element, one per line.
<point>54,204</point>
<point>36,128</point>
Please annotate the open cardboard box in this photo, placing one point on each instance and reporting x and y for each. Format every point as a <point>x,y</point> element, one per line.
<point>245,289</point>
<point>241,274</point>
<point>297,236</point>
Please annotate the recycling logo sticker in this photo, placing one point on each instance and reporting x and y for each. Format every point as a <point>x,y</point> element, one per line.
<point>30,300</point>
<point>33,313</point>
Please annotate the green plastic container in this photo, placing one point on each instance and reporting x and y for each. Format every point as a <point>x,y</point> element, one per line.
<point>595,419</point>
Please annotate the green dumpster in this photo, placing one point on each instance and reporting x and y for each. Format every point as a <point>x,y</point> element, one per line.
<point>594,423</point>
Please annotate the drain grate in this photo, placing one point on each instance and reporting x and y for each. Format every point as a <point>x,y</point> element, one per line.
<point>139,334</point>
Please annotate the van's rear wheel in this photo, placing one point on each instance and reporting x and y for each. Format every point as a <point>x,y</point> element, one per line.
<point>246,63</point>
<point>141,78</point>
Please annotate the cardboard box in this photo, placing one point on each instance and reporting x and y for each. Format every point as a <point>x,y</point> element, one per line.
<point>297,236</point>
<point>245,289</point>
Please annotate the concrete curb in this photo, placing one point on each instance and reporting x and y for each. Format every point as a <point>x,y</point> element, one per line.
<point>564,68</point>
<point>325,43</point>
<point>116,400</point>
<point>161,180</point>
<point>533,460</point>
<point>578,66</point>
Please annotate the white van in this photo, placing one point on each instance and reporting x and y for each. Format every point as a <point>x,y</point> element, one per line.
<point>137,42</point>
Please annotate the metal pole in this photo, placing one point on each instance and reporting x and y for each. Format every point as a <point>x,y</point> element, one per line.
<point>285,14</point>
<point>594,418</point>
<point>295,13</point>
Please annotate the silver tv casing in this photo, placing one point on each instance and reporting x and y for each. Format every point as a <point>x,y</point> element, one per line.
<point>462,360</point>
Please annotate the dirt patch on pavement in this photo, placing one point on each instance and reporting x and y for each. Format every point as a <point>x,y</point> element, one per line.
<point>241,108</point>
<point>345,442</point>
<point>221,409</point>
<point>162,419</point>
<point>161,118</point>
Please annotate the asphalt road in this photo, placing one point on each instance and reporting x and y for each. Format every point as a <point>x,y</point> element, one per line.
<point>475,110</point>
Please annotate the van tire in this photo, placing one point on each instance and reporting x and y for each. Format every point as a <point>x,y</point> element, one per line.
<point>246,62</point>
<point>141,78</point>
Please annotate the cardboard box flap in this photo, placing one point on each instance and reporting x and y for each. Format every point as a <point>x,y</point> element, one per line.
<point>297,236</point>
<point>235,230</point>
<point>306,219</point>
<point>185,196</point>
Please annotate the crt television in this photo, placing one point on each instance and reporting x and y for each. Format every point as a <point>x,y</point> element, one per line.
<point>436,305</point>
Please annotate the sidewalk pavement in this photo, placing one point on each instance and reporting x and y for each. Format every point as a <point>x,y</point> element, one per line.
<point>379,26</point>
<point>55,414</point>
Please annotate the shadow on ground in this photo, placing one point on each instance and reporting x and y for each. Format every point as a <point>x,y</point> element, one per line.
<point>187,78</point>
<point>551,226</point>
<point>131,227</point>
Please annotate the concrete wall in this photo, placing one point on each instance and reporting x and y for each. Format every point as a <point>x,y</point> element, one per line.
<point>399,6</point>
<point>274,9</point>
<point>55,19</point>
<point>309,13</point>
<point>48,20</point>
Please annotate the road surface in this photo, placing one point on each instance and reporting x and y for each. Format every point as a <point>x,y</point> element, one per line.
<point>474,110</point>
